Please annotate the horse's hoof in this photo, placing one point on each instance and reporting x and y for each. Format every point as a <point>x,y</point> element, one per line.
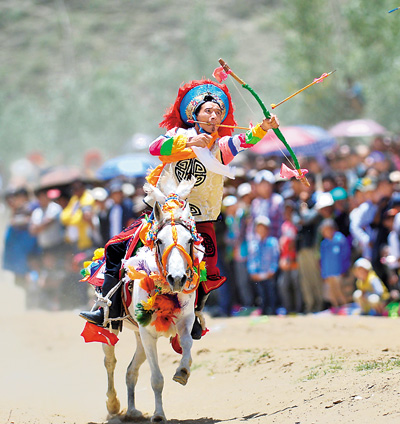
<point>132,415</point>
<point>158,418</point>
<point>113,406</point>
<point>181,376</point>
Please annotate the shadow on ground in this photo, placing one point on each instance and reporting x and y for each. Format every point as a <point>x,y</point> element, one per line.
<point>120,419</point>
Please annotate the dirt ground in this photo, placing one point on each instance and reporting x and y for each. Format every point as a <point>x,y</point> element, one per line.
<point>306,369</point>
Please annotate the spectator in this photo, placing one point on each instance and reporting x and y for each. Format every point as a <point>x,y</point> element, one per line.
<point>230,205</point>
<point>120,214</point>
<point>263,263</point>
<point>383,198</point>
<point>308,250</point>
<point>371,293</point>
<point>288,282</point>
<point>237,214</point>
<point>328,182</point>
<point>19,244</point>
<point>335,261</point>
<point>247,295</point>
<point>100,212</point>
<point>341,211</point>
<point>390,254</point>
<point>362,218</point>
<point>267,203</point>
<point>45,223</point>
<point>77,218</point>
<point>46,226</point>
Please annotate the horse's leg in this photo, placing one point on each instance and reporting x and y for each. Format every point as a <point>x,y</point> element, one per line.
<point>157,379</point>
<point>184,327</point>
<point>132,375</point>
<point>110,362</point>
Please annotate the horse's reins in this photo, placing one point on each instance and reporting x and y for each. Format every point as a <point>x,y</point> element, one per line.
<point>161,260</point>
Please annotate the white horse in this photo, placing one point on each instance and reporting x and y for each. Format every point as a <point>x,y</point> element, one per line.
<point>172,258</point>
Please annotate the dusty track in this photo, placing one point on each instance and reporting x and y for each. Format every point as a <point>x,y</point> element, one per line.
<point>278,370</point>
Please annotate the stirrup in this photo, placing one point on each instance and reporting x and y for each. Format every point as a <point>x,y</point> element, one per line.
<point>105,303</point>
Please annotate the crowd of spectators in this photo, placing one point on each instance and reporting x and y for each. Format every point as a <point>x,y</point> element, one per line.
<point>289,248</point>
<point>284,246</point>
<point>51,232</point>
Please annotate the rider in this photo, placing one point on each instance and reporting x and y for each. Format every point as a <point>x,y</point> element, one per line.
<point>210,104</point>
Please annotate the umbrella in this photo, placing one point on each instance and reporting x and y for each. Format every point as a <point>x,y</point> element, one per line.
<point>130,166</point>
<point>59,176</point>
<point>357,128</point>
<point>306,140</point>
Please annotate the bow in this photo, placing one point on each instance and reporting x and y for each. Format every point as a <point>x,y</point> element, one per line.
<point>267,114</point>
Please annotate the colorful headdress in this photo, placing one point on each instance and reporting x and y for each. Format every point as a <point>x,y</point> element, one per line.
<point>191,96</point>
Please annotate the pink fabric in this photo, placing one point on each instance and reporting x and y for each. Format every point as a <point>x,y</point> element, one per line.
<point>219,74</point>
<point>289,173</point>
<point>225,150</point>
<point>321,78</point>
<point>155,147</point>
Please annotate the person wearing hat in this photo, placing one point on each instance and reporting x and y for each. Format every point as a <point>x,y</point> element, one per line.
<point>371,293</point>
<point>341,210</point>
<point>210,104</point>
<point>262,264</point>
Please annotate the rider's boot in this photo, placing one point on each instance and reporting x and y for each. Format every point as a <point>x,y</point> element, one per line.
<point>97,317</point>
<point>197,330</point>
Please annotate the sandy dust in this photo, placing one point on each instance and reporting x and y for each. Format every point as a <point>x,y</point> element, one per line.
<point>308,369</point>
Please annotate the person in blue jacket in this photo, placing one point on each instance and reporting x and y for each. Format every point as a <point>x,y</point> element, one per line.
<point>263,262</point>
<point>335,260</point>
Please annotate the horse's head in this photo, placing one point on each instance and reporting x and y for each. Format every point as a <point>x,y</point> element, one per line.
<point>174,239</point>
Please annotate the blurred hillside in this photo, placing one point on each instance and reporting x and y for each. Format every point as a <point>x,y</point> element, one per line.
<point>82,74</point>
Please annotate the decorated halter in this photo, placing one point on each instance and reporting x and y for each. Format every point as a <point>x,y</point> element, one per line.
<point>170,206</point>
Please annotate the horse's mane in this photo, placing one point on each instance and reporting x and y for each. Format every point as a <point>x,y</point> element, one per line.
<point>168,184</point>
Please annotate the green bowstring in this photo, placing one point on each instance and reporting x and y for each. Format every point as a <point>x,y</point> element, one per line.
<point>277,131</point>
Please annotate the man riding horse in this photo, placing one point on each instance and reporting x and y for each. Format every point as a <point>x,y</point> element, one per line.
<point>209,104</point>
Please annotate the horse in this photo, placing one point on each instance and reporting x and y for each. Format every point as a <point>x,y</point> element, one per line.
<point>164,277</point>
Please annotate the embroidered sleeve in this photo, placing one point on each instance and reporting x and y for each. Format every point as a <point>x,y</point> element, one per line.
<point>231,146</point>
<point>169,144</point>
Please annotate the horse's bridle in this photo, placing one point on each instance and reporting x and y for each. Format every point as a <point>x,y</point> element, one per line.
<point>161,259</point>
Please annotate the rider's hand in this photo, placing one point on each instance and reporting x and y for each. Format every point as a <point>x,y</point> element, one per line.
<point>268,124</point>
<point>199,140</point>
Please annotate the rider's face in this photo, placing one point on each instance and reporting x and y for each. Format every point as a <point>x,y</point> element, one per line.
<point>211,113</point>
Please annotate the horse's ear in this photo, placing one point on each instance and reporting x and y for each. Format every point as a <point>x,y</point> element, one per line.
<point>185,187</point>
<point>154,193</point>
<point>186,211</point>
<point>158,214</point>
